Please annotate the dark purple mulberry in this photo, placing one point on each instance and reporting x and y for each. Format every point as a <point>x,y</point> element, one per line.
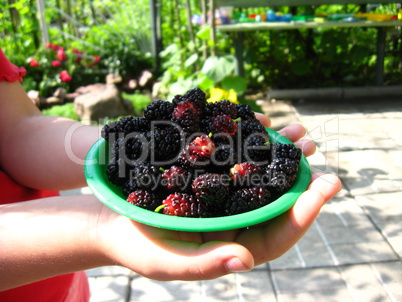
<point>159,110</point>
<point>144,199</point>
<point>223,107</point>
<point>247,199</point>
<point>279,150</point>
<point>124,126</point>
<point>212,188</point>
<point>245,112</point>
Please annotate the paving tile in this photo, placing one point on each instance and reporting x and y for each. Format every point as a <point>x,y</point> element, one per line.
<point>221,289</point>
<point>327,295</point>
<point>109,289</point>
<point>368,171</point>
<point>307,280</point>
<point>255,286</point>
<point>351,234</point>
<point>342,211</point>
<point>363,283</point>
<point>291,259</point>
<point>362,252</point>
<point>144,289</point>
<point>386,211</point>
<point>390,276</point>
<point>313,250</point>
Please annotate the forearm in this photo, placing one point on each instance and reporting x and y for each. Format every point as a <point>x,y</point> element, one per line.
<point>40,151</point>
<point>50,155</point>
<point>48,237</point>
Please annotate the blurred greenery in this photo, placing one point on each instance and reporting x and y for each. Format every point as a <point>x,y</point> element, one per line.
<point>119,34</point>
<point>138,100</point>
<point>65,110</point>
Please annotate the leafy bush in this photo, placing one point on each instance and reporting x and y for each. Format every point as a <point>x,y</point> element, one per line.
<point>66,110</point>
<point>308,58</point>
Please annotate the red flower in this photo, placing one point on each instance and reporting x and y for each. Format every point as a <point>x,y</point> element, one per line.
<point>64,76</point>
<point>61,55</point>
<point>96,59</point>
<point>77,59</point>
<point>54,46</point>
<point>33,63</point>
<point>56,63</point>
<point>75,50</point>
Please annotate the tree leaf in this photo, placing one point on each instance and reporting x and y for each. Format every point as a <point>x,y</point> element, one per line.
<point>205,83</point>
<point>237,83</point>
<point>204,32</point>
<point>191,60</point>
<point>218,68</point>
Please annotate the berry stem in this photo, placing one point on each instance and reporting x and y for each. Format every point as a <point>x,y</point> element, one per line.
<point>158,209</point>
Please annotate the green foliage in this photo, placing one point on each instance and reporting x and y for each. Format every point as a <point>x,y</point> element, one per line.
<point>66,110</point>
<point>120,33</point>
<point>309,58</point>
<point>139,102</point>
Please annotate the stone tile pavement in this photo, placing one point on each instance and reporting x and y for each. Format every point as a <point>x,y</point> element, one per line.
<point>352,252</point>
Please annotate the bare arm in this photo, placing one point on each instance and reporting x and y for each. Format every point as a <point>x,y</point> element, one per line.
<point>39,151</point>
<point>45,238</point>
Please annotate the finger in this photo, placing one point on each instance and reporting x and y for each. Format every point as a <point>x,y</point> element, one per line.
<point>293,132</point>
<point>264,120</point>
<point>165,255</point>
<point>307,146</point>
<point>190,261</point>
<point>269,242</point>
<point>328,184</point>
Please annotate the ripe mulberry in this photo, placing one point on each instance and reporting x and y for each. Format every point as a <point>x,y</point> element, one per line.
<point>245,112</point>
<point>246,175</point>
<point>279,150</point>
<point>159,110</point>
<point>256,148</point>
<point>144,199</point>
<point>212,188</point>
<point>177,179</point>
<point>251,127</point>
<point>223,107</point>
<point>124,126</point>
<point>165,143</point>
<point>186,116</point>
<point>224,124</point>
<point>184,205</point>
<point>146,176</point>
<point>247,199</point>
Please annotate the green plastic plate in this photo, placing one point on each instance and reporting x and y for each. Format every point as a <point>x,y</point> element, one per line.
<point>111,196</point>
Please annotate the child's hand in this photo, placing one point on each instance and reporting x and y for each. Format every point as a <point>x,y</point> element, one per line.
<point>170,255</point>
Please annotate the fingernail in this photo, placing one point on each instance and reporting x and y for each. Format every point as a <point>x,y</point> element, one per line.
<point>235,265</point>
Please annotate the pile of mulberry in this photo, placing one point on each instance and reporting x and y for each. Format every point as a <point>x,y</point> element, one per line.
<point>192,158</point>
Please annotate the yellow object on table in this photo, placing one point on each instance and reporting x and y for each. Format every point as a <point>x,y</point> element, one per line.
<point>374,17</point>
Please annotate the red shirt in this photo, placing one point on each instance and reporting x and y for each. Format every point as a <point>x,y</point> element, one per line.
<point>67,288</point>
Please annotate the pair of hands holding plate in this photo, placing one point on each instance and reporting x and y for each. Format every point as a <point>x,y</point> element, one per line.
<point>164,254</point>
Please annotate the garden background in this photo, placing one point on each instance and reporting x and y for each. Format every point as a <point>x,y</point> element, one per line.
<point>90,39</point>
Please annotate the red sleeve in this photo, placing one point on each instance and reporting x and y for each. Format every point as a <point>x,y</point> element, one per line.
<point>8,71</point>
